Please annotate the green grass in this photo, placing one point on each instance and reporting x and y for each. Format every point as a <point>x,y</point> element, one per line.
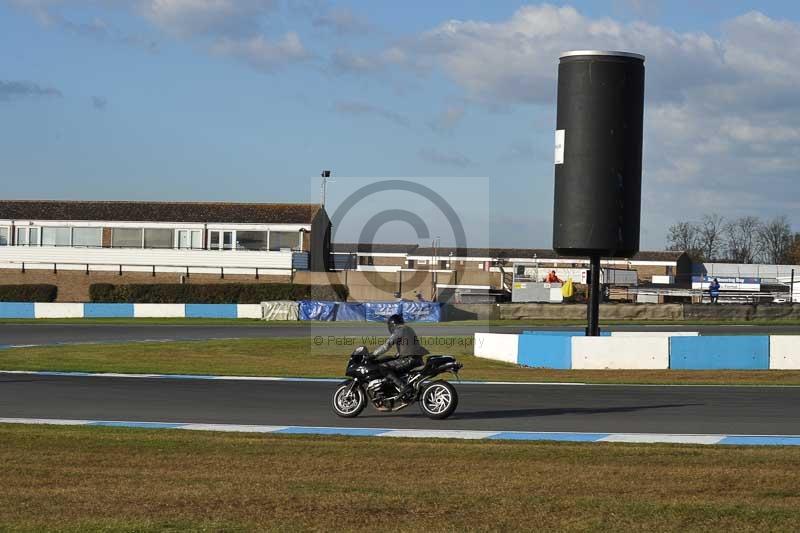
<point>305,357</point>
<point>115,479</point>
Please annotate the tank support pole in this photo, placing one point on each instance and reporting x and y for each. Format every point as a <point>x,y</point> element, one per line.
<point>594,298</point>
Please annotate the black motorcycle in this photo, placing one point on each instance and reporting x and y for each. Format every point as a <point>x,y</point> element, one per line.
<point>437,399</point>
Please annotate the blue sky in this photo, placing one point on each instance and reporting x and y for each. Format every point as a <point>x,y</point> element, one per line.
<point>248,100</point>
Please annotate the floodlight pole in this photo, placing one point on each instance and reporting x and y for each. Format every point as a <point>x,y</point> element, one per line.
<point>593,311</point>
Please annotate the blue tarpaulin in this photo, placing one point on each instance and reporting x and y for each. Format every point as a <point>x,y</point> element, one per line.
<point>381,311</point>
<point>421,311</point>
<point>317,310</point>
<point>351,311</point>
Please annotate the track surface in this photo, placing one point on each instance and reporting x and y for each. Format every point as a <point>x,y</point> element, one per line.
<point>17,334</point>
<point>582,408</point>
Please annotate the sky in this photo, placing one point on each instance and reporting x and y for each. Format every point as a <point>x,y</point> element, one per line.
<point>248,100</point>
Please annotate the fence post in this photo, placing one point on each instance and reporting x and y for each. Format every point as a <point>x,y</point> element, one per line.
<point>87,269</point>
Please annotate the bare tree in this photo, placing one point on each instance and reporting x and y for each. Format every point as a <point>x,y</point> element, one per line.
<point>743,239</point>
<point>685,236</point>
<point>775,239</point>
<point>711,230</point>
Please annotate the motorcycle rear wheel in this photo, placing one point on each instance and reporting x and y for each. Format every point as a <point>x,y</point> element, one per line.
<point>349,405</point>
<point>438,400</point>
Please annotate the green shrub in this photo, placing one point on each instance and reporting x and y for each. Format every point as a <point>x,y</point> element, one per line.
<point>214,293</point>
<point>28,293</point>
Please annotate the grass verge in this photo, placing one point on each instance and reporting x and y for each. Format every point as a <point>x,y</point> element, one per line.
<point>111,479</point>
<point>305,357</point>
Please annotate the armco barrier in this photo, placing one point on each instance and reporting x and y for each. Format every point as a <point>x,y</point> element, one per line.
<point>159,310</point>
<point>576,333</point>
<point>58,310</point>
<point>784,352</point>
<point>545,351</point>
<point>719,353</point>
<point>635,353</point>
<point>497,346</point>
<point>654,333</point>
<point>108,310</point>
<point>351,311</point>
<point>381,311</point>
<point>317,310</point>
<point>248,311</point>
<point>210,311</point>
<point>17,310</point>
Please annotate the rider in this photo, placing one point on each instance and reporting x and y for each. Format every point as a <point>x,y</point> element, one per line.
<point>409,352</point>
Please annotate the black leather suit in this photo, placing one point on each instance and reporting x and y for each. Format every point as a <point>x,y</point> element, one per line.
<point>409,353</point>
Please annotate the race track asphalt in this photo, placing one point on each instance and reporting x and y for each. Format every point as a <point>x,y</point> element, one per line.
<point>581,408</point>
<point>24,334</point>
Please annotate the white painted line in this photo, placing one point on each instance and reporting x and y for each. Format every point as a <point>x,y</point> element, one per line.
<point>658,437</point>
<point>243,428</point>
<point>439,433</point>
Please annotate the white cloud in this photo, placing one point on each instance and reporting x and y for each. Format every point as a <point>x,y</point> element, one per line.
<point>262,54</point>
<point>207,17</point>
<point>438,157</point>
<point>14,90</point>
<point>355,108</point>
<point>448,118</point>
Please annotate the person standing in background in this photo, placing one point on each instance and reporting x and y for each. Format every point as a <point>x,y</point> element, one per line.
<point>713,291</point>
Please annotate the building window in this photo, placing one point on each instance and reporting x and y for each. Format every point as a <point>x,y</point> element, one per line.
<point>4,233</point>
<point>220,240</point>
<point>52,236</point>
<point>27,236</point>
<point>87,237</point>
<point>410,263</point>
<point>251,240</point>
<point>126,238</point>
<point>443,264</point>
<point>158,238</point>
<point>283,239</point>
<point>190,238</point>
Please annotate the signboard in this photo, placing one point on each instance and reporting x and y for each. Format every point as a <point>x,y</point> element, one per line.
<point>727,284</point>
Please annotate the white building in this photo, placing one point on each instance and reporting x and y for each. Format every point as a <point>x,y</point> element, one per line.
<point>195,237</point>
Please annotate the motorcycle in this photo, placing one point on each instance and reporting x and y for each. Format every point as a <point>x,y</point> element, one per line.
<point>437,399</point>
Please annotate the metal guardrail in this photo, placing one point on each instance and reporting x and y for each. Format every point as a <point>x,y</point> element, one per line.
<point>186,270</point>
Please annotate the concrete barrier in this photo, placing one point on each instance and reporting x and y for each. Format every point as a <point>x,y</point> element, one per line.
<point>58,310</point>
<point>520,311</point>
<point>784,352</point>
<point>654,333</point>
<point>719,353</point>
<point>635,353</point>
<point>17,310</point>
<point>248,311</point>
<point>108,310</point>
<point>470,312</point>
<point>210,311</point>
<point>159,310</point>
<point>545,351</point>
<point>497,346</point>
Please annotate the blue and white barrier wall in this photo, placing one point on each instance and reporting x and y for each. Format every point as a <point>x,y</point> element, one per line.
<point>646,351</point>
<point>95,310</point>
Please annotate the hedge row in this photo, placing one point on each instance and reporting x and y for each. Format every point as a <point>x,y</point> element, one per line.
<point>214,293</point>
<point>28,293</point>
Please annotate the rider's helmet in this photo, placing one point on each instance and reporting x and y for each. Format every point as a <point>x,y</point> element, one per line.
<point>394,321</point>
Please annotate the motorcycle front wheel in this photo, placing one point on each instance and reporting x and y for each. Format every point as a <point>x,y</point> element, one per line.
<point>349,403</point>
<point>438,400</point>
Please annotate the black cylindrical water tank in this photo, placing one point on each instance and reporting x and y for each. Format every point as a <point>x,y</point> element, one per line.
<point>598,167</point>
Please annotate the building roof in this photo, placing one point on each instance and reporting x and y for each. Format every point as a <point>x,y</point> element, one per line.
<point>530,253</point>
<point>115,211</point>
<point>372,248</point>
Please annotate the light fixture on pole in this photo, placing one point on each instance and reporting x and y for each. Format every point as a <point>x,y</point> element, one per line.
<point>326,177</point>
